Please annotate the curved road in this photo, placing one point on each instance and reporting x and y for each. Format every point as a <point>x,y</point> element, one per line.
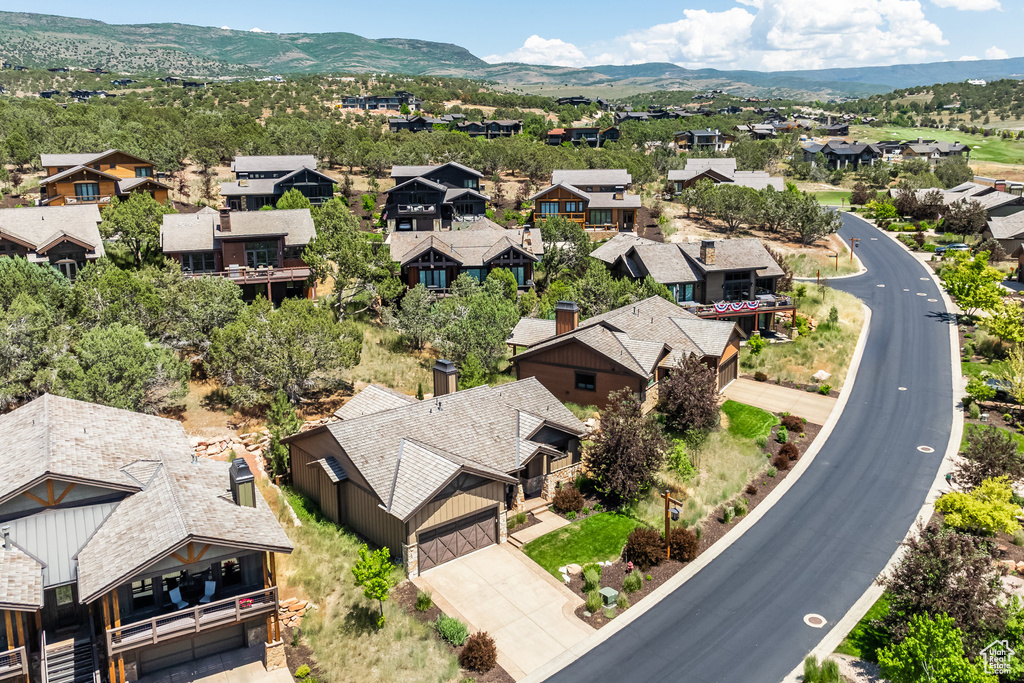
<point>740,619</point>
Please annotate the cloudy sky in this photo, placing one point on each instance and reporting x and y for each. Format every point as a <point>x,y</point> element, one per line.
<point>748,34</point>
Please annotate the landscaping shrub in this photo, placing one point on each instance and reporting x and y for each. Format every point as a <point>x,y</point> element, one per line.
<point>790,451</point>
<point>762,442</point>
<point>751,489</point>
<point>824,389</point>
<point>760,376</point>
<point>974,412</point>
<point>424,601</point>
<point>302,672</point>
<point>598,507</point>
<point>683,544</point>
<point>756,344</point>
<point>1018,538</point>
<point>585,511</point>
<point>609,612</point>
<point>622,602</point>
<point>591,580</point>
<point>568,499</point>
<point>595,566</point>
<point>645,548</point>
<point>792,423</point>
<point>992,348</point>
<point>516,520</point>
<point>594,601</point>
<point>741,507</point>
<point>480,653</point>
<point>772,471</point>
<point>632,582</point>
<point>570,515</point>
<point>779,462</point>
<point>451,629</point>
<point>968,351</point>
<point>782,435</point>
<point>680,462</point>
<point>727,514</point>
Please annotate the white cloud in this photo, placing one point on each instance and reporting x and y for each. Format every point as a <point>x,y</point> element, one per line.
<point>996,53</point>
<point>969,5</point>
<point>763,34</point>
<point>537,50</point>
<point>968,58</point>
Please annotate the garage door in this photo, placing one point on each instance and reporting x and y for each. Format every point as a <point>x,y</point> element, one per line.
<point>446,542</point>
<point>727,372</point>
<point>202,645</point>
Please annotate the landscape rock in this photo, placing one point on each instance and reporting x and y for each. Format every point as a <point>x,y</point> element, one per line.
<point>573,568</point>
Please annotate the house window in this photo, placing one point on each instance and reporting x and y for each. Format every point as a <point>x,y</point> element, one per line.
<point>739,275</point>
<point>143,172</point>
<point>230,572</point>
<point>64,595</point>
<point>574,207</point>
<point>201,262</point>
<point>520,273</point>
<point>87,192</point>
<point>600,216</point>
<point>293,252</point>
<point>142,594</point>
<point>477,274</point>
<point>683,292</point>
<point>436,279</point>
<point>470,183</point>
<point>259,254</point>
<point>172,581</point>
<point>764,284</point>
<point>465,209</point>
<point>548,208</point>
<point>586,381</point>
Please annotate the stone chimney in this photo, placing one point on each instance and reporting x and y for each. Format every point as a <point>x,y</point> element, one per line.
<point>225,220</point>
<point>567,316</point>
<point>243,484</point>
<point>446,378</point>
<point>707,252</point>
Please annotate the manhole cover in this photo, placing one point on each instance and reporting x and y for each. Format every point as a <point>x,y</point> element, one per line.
<point>815,620</point>
<point>926,449</point>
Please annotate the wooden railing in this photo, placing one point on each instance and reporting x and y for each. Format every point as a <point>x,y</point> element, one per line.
<point>13,663</point>
<point>250,276</point>
<point>191,620</point>
<point>763,306</point>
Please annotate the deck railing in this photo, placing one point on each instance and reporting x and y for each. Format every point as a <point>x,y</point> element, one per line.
<point>13,663</point>
<point>763,306</point>
<point>255,276</point>
<point>192,620</point>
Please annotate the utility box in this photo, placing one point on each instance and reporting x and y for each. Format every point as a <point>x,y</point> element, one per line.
<point>609,595</point>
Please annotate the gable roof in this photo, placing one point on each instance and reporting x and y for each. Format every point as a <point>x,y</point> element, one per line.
<point>1007,227</point>
<point>592,176</point>
<point>199,231</point>
<point>373,399</point>
<point>735,254</point>
<point>51,160</point>
<point>471,248</point>
<point>126,185</point>
<point>40,226</point>
<point>75,170</point>
<point>250,164</point>
<point>407,171</point>
<point>21,580</point>
<point>566,186</point>
<point>619,245</point>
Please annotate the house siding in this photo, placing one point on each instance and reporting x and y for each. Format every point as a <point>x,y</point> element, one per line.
<point>556,370</point>
<point>445,509</point>
<point>364,515</point>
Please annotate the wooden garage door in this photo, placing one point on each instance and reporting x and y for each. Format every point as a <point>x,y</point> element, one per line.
<point>157,657</point>
<point>457,538</point>
<point>728,371</point>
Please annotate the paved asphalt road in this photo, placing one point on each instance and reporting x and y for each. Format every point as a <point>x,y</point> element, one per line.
<point>819,548</point>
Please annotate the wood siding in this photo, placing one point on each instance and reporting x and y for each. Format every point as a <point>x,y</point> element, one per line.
<point>441,510</point>
<point>556,369</point>
<point>364,515</point>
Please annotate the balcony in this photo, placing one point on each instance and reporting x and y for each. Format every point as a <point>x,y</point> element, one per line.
<point>85,200</point>
<point>416,209</point>
<point>763,303</point>
<point>192,620</point>
<point>254,276</point>
<point>13,663</point>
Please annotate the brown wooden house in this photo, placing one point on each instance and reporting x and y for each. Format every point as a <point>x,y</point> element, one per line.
<point>633,347</point>
<point>434,479</point>
<point>597,199</point>
<point>96,178</point>
<point>65,237</point>
<point>121,554</point>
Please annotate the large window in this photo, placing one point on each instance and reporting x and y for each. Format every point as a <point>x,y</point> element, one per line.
<point>143,172</point>
<point>477,274</point>
<point>683,292</point>
<point>230,572</point>
<point>471,183</point>
<point>87,192</point>
<point>574,207</point>
<point>600,216</point>
<point>259,254</point>
<point>293,252</point>
<point>764,284</point>
<point>433,279</point>
<point>142,594</point>
<point>201,262</point>
<point>586,381</point>
<point>520,273</point>
<point>548,208</point>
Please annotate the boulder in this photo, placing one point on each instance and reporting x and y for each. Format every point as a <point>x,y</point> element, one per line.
<point>573,569</point>
<point>289,602</point>
<point>821,375</point>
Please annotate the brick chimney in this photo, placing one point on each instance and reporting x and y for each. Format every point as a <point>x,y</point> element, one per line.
<point>446,378</point>
<point>1000,185</point>
<point>567,316</point>
<point>707,252</point>
<point>225,220</point>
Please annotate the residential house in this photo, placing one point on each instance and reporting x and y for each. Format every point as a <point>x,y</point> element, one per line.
<point>1009,232</point>
<point>934,151</point>
<point>581,101</point>
<point>416,124</point>
<point>261,251</point>
<point>262,180</point>
<point>392,101</point>
<point>595,198</point>
<point>122,553</point>
<point>703,140</point>
<point>733,279</point>
<point>652,115</point>
<point>757,131</point>
<point>433,480</point>
<point>842,154</point>
<point>720,171</point>
<point>994,199</point>
<point>595,136</point>
<point>633,347</point>
<point>837,130</point>
<point>433,197</point>
<point>436,259</point>
<point>489,129</point>
<point>66,237</point>
<point>96,178</point>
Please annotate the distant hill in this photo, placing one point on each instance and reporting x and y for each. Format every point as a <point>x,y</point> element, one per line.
<point>41,40</point>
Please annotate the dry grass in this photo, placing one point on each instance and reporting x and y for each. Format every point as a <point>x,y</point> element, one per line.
<point>341,632</point>
<point>809,262</point>
<point>384,360</point>
<point>824,349</point>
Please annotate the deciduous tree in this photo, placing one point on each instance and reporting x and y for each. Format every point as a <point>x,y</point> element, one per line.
<point>135,222</point>
<point>931,652</point>
<point>373,572</point>
<point>965,217</point>
<point>628,450</point>
<point>688,398</point>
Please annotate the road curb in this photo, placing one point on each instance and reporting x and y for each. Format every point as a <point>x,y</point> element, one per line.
<point>705,558</point>
<point>835,636</point>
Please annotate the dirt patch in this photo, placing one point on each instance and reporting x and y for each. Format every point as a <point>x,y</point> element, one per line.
<point>530,521</point>
<point>405,594</point>
<point>298,652</point>
<point>613,576</point>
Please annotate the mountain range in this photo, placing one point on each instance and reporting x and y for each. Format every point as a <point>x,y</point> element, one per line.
<point>39,40</point>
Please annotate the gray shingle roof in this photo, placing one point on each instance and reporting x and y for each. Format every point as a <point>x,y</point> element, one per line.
<point>1007,227</point>
<point>330,465</point>
<point>249,164</point>
<point>735,254</point>
<point>198,231</point>
<point>373,399</point>
<point>666,263</point>
<point>618,245</point>
<point>571,188</point>
<point>406,171</point>
<point>607,200</point>
<point>592,176</point>
<point>72,171</point>
<point>41,225</point>
<point>471,248</point>
<point>51,160</point>
<point>21,580</point>
<point>126,185</point>
<point>529,331</point>
<point>188,231</point>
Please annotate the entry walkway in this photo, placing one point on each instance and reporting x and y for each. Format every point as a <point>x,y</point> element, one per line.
<point>814,408</point>
<point>501,591</point>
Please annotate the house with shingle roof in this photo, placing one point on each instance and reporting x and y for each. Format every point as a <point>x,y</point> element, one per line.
<point>633,347</point>
<point>65,237</point>
<point>933,151</point>
<point>96,178</point>
<point>262,180</point>
<point>594,136</point>
<point>434,479</point>
<point>597,199</point>
<point>706,140</point>
<point>123,553</point>
<point>733,279</point>
<point>994,199</point>
<point>843,154</point>
<point>436,259</point>
<point>434,197</point>
<point>720,171</point>
<point>491,128</point>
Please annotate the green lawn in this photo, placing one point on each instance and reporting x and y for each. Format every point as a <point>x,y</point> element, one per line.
<point>866,639</point>
<point>748,421</point>
<point>995,367</point>
<point>833,197</point>
<point>594,539</point>
<point>992,148</point>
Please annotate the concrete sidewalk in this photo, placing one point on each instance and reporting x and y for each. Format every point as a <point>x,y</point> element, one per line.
<point>814,408</point>
<point>548,522</point>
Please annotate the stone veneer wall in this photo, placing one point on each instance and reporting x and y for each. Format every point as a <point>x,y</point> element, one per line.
<point>274,657</point>
<point>411,559</point>
<point>520,501</point>
<point>566,475</point>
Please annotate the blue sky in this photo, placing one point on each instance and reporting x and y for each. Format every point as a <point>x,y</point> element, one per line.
<point>727,34</point>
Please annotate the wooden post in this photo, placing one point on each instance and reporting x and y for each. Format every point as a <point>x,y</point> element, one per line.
<point>106,627</point>
<point>668,552</point>
<point>10,631</point>
<point>20,621</point>
<point>266,584</point>
<point>273,580</point>
<point>117,623</point>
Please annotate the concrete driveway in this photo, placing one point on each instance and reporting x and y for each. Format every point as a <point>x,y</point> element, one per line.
<point>503,592</point>
<point>814,408</point>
